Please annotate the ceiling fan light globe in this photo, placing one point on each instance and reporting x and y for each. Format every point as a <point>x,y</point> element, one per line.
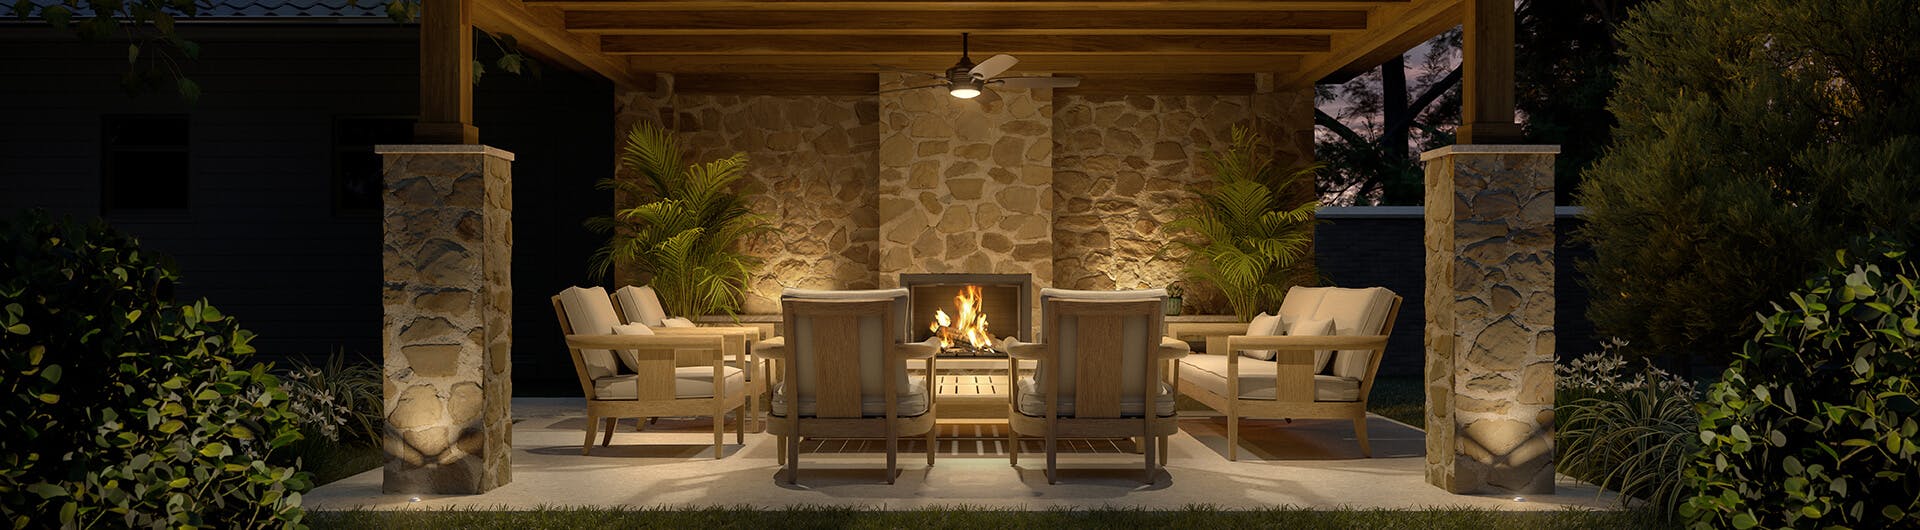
<point>964,91</point>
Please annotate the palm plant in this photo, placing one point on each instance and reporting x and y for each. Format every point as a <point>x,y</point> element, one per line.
<point>1246,238</point>
<point>687,229</point>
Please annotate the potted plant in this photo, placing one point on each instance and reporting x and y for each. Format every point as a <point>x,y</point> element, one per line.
<point>1173,303</point>
<point>684,235</point>
<point>1245,237</point>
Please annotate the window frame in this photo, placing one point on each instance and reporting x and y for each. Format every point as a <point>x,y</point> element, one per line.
<point>109,147</point>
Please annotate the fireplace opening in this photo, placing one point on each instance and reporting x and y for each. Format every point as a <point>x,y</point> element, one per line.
<point>969,312</point>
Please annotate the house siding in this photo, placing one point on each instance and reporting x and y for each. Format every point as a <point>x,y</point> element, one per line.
<point>261,239</point>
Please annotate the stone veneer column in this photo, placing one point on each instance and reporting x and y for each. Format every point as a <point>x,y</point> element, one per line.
<point>449,235</point>
<point>1489,338</point>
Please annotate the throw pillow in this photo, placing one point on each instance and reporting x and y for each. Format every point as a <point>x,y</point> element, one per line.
<point>1263,325</point>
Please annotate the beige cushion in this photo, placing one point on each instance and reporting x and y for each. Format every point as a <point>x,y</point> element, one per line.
<point>1311,327</point>
<point>910,401</point>
<point>689,382</point>
<point>1355,312</point>
<point>590,312</point>
<point>1257,380</point>
<point>677,322</point>
<point>628,357</point>
<point>1300,302</point>
<point>1033,401</point>
<point>641,304</point>
<point>1263,325</point>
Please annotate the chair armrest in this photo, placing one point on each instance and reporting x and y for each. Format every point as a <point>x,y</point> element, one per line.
<point>1171,348</point>
<point>1303,342</point>
<point>751,333</point>
<point>775,348</point>
<point>1025,351</point>
<point>1176,329</point>
<point>918,350</point>
<point>634,342</point>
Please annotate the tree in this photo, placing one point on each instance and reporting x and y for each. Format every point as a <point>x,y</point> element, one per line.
<point>1754,137</point>
<point>1564,60</point>
<point>1367,155</point>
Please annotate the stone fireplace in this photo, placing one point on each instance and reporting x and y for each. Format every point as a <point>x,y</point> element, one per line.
<point>1005,300</point>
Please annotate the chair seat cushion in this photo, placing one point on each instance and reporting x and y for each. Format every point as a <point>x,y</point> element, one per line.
<point>1257,379</point>
<point>912,401</point>
<point>1033,401</point>
<point>689,382</point>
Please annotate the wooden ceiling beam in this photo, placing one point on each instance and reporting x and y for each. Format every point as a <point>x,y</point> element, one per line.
<point>1392,31</point>
<point>978,5</point>
<point>538,31</point>
<point>980,22</point>
<point>1088,64</point>
<point>1160,84</point>
<point>806,84</point>
<point>985,46</point>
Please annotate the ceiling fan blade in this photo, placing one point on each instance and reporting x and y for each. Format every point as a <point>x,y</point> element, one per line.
<point>903,89</point>
<point>928,75</point>
<point>992,67</point>
<point>1038,82</point>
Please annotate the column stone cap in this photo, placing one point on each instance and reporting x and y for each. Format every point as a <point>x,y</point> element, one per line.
<point>442,149</point>
<point>1490,149</point>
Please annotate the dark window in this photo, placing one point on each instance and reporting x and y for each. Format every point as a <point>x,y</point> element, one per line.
<point>144,163</point>
<point>356,169</point>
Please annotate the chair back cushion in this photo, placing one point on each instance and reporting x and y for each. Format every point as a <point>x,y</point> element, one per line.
<point>1264,325</point>
<point>590,312</point>
<point>1300,302</point>
<point>1355,312</point>
<point>642,305</point>
<point>1136,343</point>
<point>868,339</point>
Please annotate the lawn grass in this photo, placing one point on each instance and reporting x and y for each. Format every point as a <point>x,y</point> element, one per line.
<point>1400,398</point>
<point>961,517</point>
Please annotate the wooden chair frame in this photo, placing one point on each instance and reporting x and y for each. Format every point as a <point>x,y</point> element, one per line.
<point>654,395</point>
<point>739,342</point>
<point>1293,378</point>
<point>837,389</point>
<point>1097,387</point>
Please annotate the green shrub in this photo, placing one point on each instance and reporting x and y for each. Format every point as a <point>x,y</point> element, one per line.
<point>1814,422</point>
<point>1631,431</point>
<point>1245,235</point>
<point>124,408</point>
<point>1753,136</point>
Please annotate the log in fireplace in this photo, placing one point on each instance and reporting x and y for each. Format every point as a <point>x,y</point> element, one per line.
<point>955,307</point>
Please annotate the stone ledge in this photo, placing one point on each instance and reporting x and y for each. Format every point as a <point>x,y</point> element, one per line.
<point>1490,149</point>
<point>442,149</point>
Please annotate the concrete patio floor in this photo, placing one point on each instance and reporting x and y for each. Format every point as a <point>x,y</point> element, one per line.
<point>1312,464</point>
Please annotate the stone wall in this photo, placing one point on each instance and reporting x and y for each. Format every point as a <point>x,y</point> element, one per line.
<point>448,299</point>
<point>812,170</point>
<point>864,188</point>
<point>965,184</point>
<point>1490,312</point>
<point>1124,166</point>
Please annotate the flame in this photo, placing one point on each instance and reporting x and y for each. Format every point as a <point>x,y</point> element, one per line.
<point>971,325</point>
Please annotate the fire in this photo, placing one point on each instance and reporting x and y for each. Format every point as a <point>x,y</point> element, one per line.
<point>971,327</point>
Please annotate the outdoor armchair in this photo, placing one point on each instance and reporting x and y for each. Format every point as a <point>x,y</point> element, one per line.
<point>1324,376</point>
<point>653,383</point>
<point>641,305</point>
<point>845,374</point>
<point>1100,373</point>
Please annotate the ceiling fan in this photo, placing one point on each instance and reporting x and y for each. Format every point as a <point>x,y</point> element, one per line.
<point>965,80</point>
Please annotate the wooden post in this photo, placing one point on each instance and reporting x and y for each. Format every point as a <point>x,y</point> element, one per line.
<point>446,73</point>
<point>1487,97</point>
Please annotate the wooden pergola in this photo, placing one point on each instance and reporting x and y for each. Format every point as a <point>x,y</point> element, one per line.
<point>812,47</point>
